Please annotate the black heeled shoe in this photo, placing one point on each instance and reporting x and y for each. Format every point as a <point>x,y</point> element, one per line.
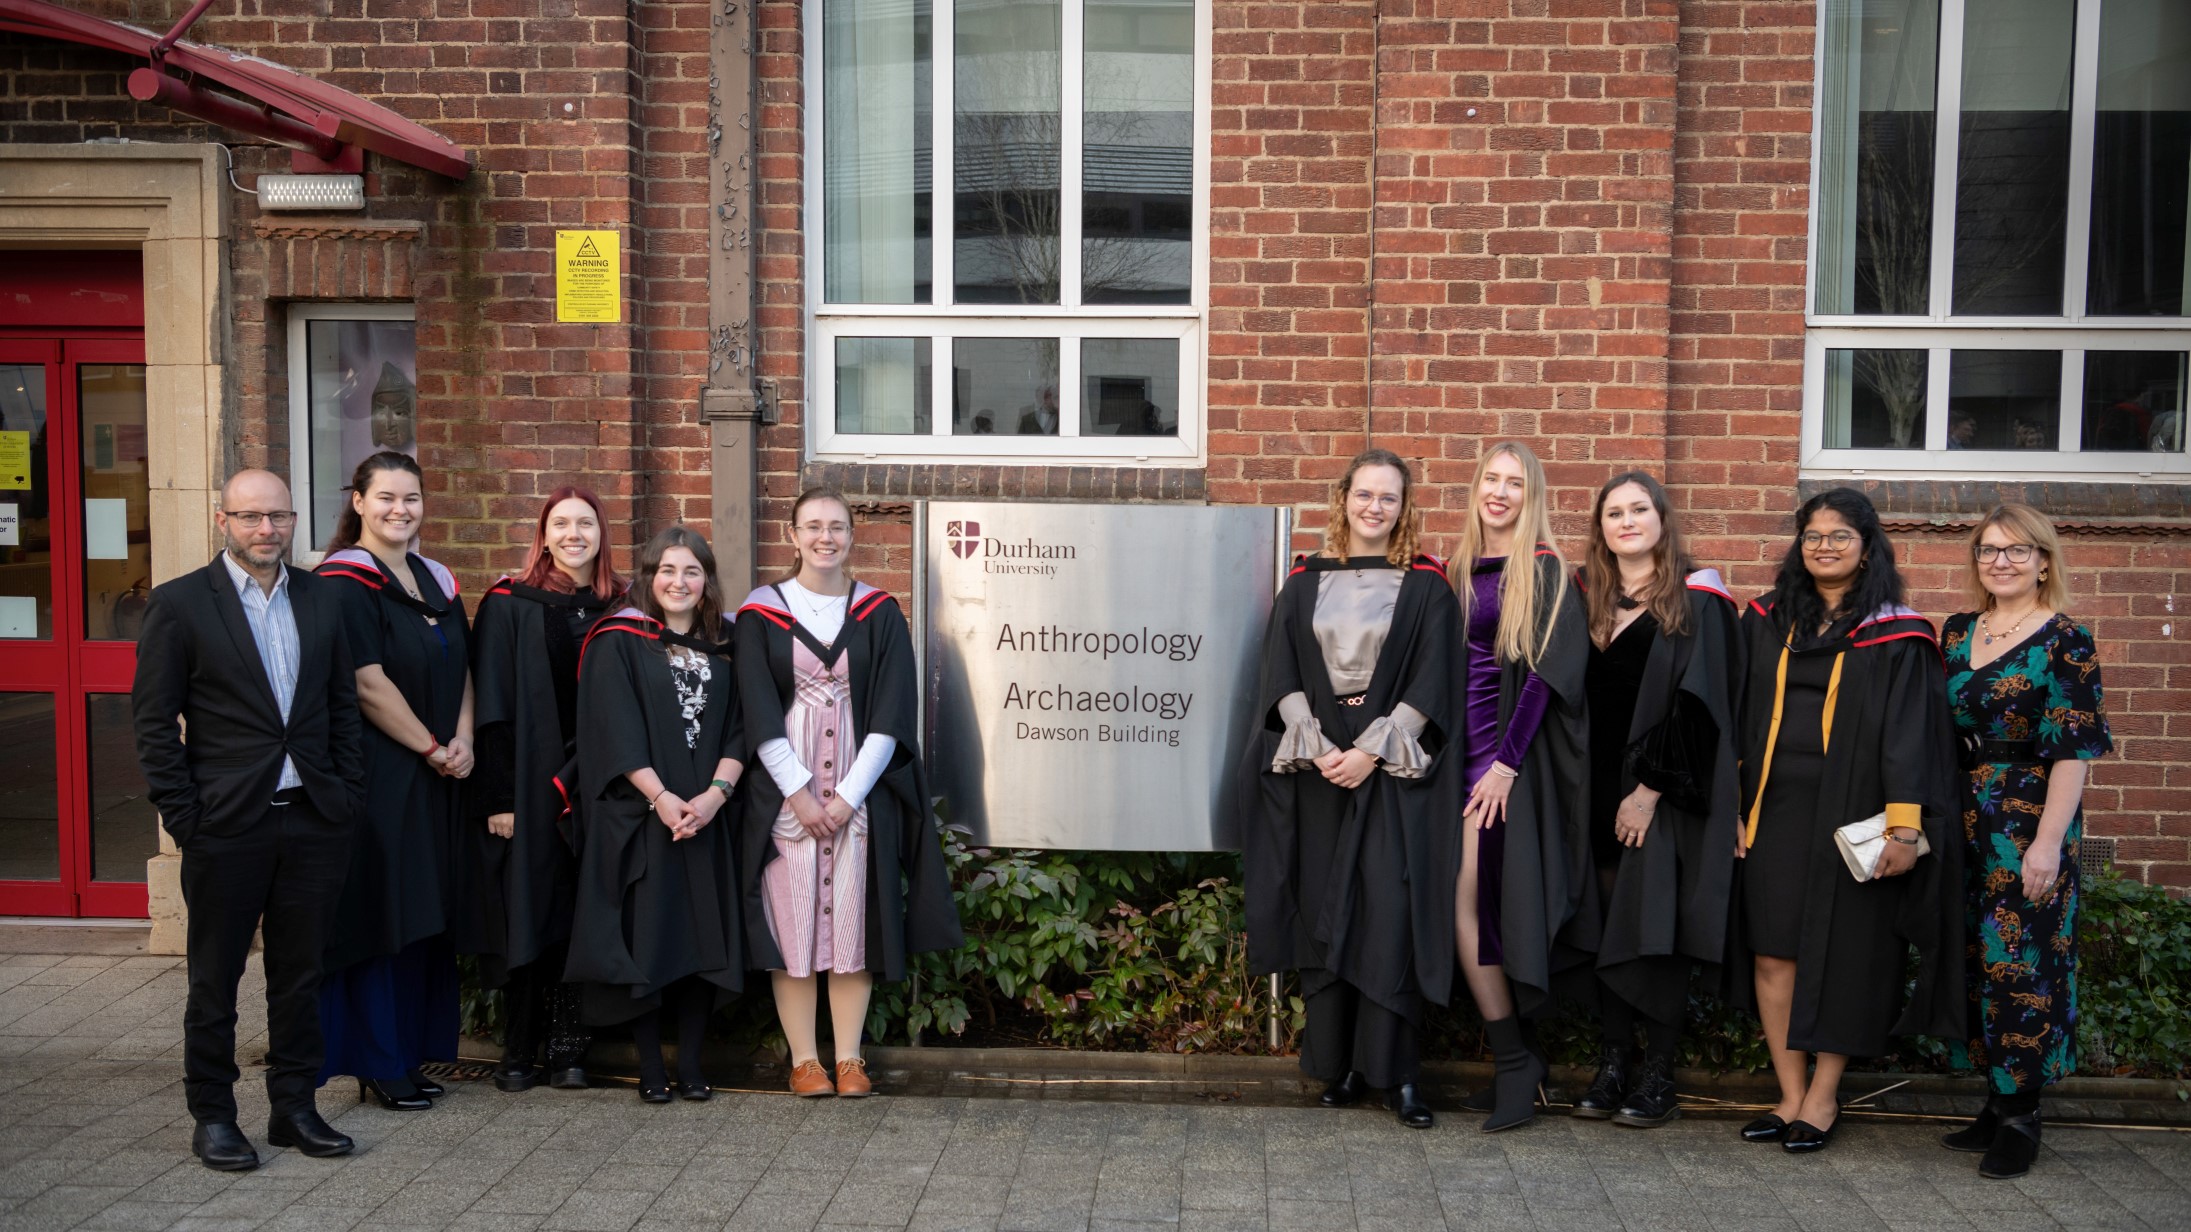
<point>1805,1138</point>
<point>1518,1080</point>
<point>379,1093</point>
<point>1766,1129</point>
<point>1976,1137</point>
<point>424,1085</point>
<point>1407,1100</point>
<point>2015,1148</point>
<point>655,1095</point>
<point>1607,1090</point>
<point>1346,1092</point>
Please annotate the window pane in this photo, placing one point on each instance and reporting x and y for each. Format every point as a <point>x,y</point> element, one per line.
<point>117,498</point>
<point>875,151</point>
<point>1008,126</point>
<point>1875,399</point>
<point>2133,401</point>
<point>1137,211</point>
<point>1004,387</point>
<point>125,828</point>
<point>1129,387</point>
<point>2004,399</point>
<point>2012,169</point>
<point>883,384</point>
<point>364,398</point>
<point>26,560</point>
<point>2141,160</point>
<point>1875,174</point>
<point>30,802</point>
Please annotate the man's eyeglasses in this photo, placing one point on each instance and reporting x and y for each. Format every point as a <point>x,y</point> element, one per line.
<point>1812,540</point>
<point>2017,553</point>
<point>252,519</point>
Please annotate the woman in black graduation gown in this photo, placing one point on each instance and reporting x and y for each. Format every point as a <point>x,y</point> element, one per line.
<point>843,860</point>
<point>525,642</point>
<point>1664,678</point>
<point>1346,780</point>
<point>388,998</point>
<point>1844,719</point>
<point>1513,871</point>
<point>655,933</point>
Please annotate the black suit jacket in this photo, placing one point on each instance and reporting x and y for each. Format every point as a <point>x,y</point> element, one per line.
<point>197,662</point>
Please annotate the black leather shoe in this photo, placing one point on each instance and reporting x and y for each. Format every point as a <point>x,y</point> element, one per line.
<point>391,1096</point>
<point>1768,1128</point>
<point>1606,1091</point>
<point>2015,1146</point>
<point>569,1078</point>
<point>425,1086</point>
<point>308,1132</point>
<point>655,1095</point>
<point>1805,1138</point>
<point>697,1092</point>
<point>1407,1100</point>
<point>1346,1092</point>
<point>1977,1136</point>
<point>221,1146</point>
<point>515,1076</point>
<point>1652,1100</point>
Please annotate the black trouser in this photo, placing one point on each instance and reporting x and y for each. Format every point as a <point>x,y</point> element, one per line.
<point>1348,1031</point>
<point>287,866</point>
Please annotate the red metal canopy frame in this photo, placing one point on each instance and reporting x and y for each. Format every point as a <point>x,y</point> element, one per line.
<point>284,105</point>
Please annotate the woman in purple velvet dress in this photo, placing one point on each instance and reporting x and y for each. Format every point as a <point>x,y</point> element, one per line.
<point>1519,860</point>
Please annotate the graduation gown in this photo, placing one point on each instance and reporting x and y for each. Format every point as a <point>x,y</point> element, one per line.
<point>1349,911</point>
<point>1548,891</point>
<point>525,678</point>
<point>1670,895</point>
<point>1889,747</point>
<point>650,910</point>
<point>406,857</point>
<point>910,908</point>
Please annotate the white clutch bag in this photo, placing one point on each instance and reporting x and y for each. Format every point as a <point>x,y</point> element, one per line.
<point>1861,842</point>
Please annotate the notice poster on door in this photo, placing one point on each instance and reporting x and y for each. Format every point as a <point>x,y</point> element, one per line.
<point>106,529</point>
<point>18,616</point>
<point>11,526</point>
<point>15,460</point>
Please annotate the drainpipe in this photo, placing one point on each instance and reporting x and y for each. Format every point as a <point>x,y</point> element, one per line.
<point>731,403</point>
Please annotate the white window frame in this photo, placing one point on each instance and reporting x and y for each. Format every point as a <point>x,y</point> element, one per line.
<point>1940,332</point>
<point>300,404</point>
<point>1067,321</point>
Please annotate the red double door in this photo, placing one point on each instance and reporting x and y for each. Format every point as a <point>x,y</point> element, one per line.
<point>76,829</point>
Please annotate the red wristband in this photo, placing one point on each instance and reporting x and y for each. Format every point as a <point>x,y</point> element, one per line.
<point>429,753</point>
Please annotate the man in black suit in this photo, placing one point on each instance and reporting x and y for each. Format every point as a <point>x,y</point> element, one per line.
<point>249,655</point>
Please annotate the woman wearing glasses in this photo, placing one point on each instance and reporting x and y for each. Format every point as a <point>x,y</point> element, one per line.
<point>2024,684</point>
<point>1844,721</point>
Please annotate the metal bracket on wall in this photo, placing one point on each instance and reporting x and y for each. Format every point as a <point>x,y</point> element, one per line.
<point>757,405</point>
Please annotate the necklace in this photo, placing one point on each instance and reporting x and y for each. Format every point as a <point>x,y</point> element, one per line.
<point>816,606</point>
<point>1985,623</point>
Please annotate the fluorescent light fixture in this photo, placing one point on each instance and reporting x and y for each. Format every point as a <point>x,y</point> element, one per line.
<point>311,192</point>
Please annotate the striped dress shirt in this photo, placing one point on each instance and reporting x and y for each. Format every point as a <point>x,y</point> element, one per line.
<point>274,628</point>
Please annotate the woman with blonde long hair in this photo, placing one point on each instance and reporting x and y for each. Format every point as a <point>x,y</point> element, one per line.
<point>1519,862</point>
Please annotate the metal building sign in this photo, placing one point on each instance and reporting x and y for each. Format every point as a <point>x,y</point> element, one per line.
<point>1092,669</point>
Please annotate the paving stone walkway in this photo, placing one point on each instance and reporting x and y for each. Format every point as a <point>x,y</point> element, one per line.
<point>93,1135</point>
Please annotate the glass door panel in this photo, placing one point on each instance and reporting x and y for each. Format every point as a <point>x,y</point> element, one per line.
<point>26,533</point>
<point>30,807</point>
<point>115,499</point>
<point>124,825</point>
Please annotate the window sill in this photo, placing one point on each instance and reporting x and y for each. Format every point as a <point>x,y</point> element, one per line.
<point>2078,504</point>
<point>885,482</point>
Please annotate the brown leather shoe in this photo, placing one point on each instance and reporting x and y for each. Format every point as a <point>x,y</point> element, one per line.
<point>809,1079</point>
<point>852,1080</point>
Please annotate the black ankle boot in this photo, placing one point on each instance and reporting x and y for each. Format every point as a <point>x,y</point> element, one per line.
<point>1606,1091</point>
<point>1407,1100</point>
<point>1651,1101</point>
<point>1978,1135</point>
<point>2015,1146</point>
<point>1346,1092</point>
<point>1520,1076</point>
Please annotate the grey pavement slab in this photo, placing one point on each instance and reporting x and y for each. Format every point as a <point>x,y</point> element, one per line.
<point>93,1135</point>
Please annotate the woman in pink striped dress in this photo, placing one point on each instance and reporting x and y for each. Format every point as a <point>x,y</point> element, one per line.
<point>850,872</point>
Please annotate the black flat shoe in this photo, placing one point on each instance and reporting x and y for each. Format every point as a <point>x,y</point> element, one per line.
<point>2015,1147</point>
<point>514,1076</point>
<point>1607,1089</point>
<point>1767,1128</point>
<point>570,1078</point>
<point>1976,1137</point>
<point>655,1095</point>
<point>221,1146</point>
<point>309,1133</point>
<point>1346,1092</point>
<point>1407,1100</point>
<point>426,1086</point>
<point>697,1092</point>
<point>1805,1138</point>
<point>380,1093</point>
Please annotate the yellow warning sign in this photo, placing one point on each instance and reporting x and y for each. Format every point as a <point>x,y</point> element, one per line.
<point>589,269</point>
<point>14,459</point>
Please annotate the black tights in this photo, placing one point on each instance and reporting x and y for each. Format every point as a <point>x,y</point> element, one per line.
<point>689,1001</point>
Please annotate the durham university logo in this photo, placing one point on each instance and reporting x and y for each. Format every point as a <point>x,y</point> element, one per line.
<point>965,538</point>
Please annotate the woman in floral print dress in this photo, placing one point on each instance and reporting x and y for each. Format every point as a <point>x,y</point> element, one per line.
<point>2024,684</point>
